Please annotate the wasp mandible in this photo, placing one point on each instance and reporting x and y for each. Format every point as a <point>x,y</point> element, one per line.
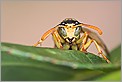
<point>73,35</point>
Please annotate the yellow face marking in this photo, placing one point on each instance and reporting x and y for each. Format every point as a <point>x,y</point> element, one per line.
<point>70,32</point>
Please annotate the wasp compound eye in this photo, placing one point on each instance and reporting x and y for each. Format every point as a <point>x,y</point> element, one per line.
<point>62,31</point>
<point>77,30</point>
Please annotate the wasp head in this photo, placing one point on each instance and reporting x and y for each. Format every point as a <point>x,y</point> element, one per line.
<point>69,29</point>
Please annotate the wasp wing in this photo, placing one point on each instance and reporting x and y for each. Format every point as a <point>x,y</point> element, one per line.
<point>95,36</point>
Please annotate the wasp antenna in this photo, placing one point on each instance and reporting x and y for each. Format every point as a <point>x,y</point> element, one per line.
<point>93,27</point>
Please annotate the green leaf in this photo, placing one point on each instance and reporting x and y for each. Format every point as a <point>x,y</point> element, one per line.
<point>28,63</point>
<point>116,55</point>
<point>113,76</point>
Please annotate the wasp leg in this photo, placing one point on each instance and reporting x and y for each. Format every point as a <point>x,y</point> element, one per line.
<point>37,43</point>
<point>85,47</point>
<point>100,51</point>
<point>81,39</point>
<point>100,42</point>
<point>45,35</point>
<point>57,39</point>
<point>74,47</point>
<point>66,46</point>
<point>84,42</point>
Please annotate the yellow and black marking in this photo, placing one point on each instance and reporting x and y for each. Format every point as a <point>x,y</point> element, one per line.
<point>67,35</point>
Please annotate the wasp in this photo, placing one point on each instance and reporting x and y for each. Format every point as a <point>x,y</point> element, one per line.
<point>70,34</point>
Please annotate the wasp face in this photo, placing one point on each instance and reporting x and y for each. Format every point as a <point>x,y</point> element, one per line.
<point>69,30</point>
